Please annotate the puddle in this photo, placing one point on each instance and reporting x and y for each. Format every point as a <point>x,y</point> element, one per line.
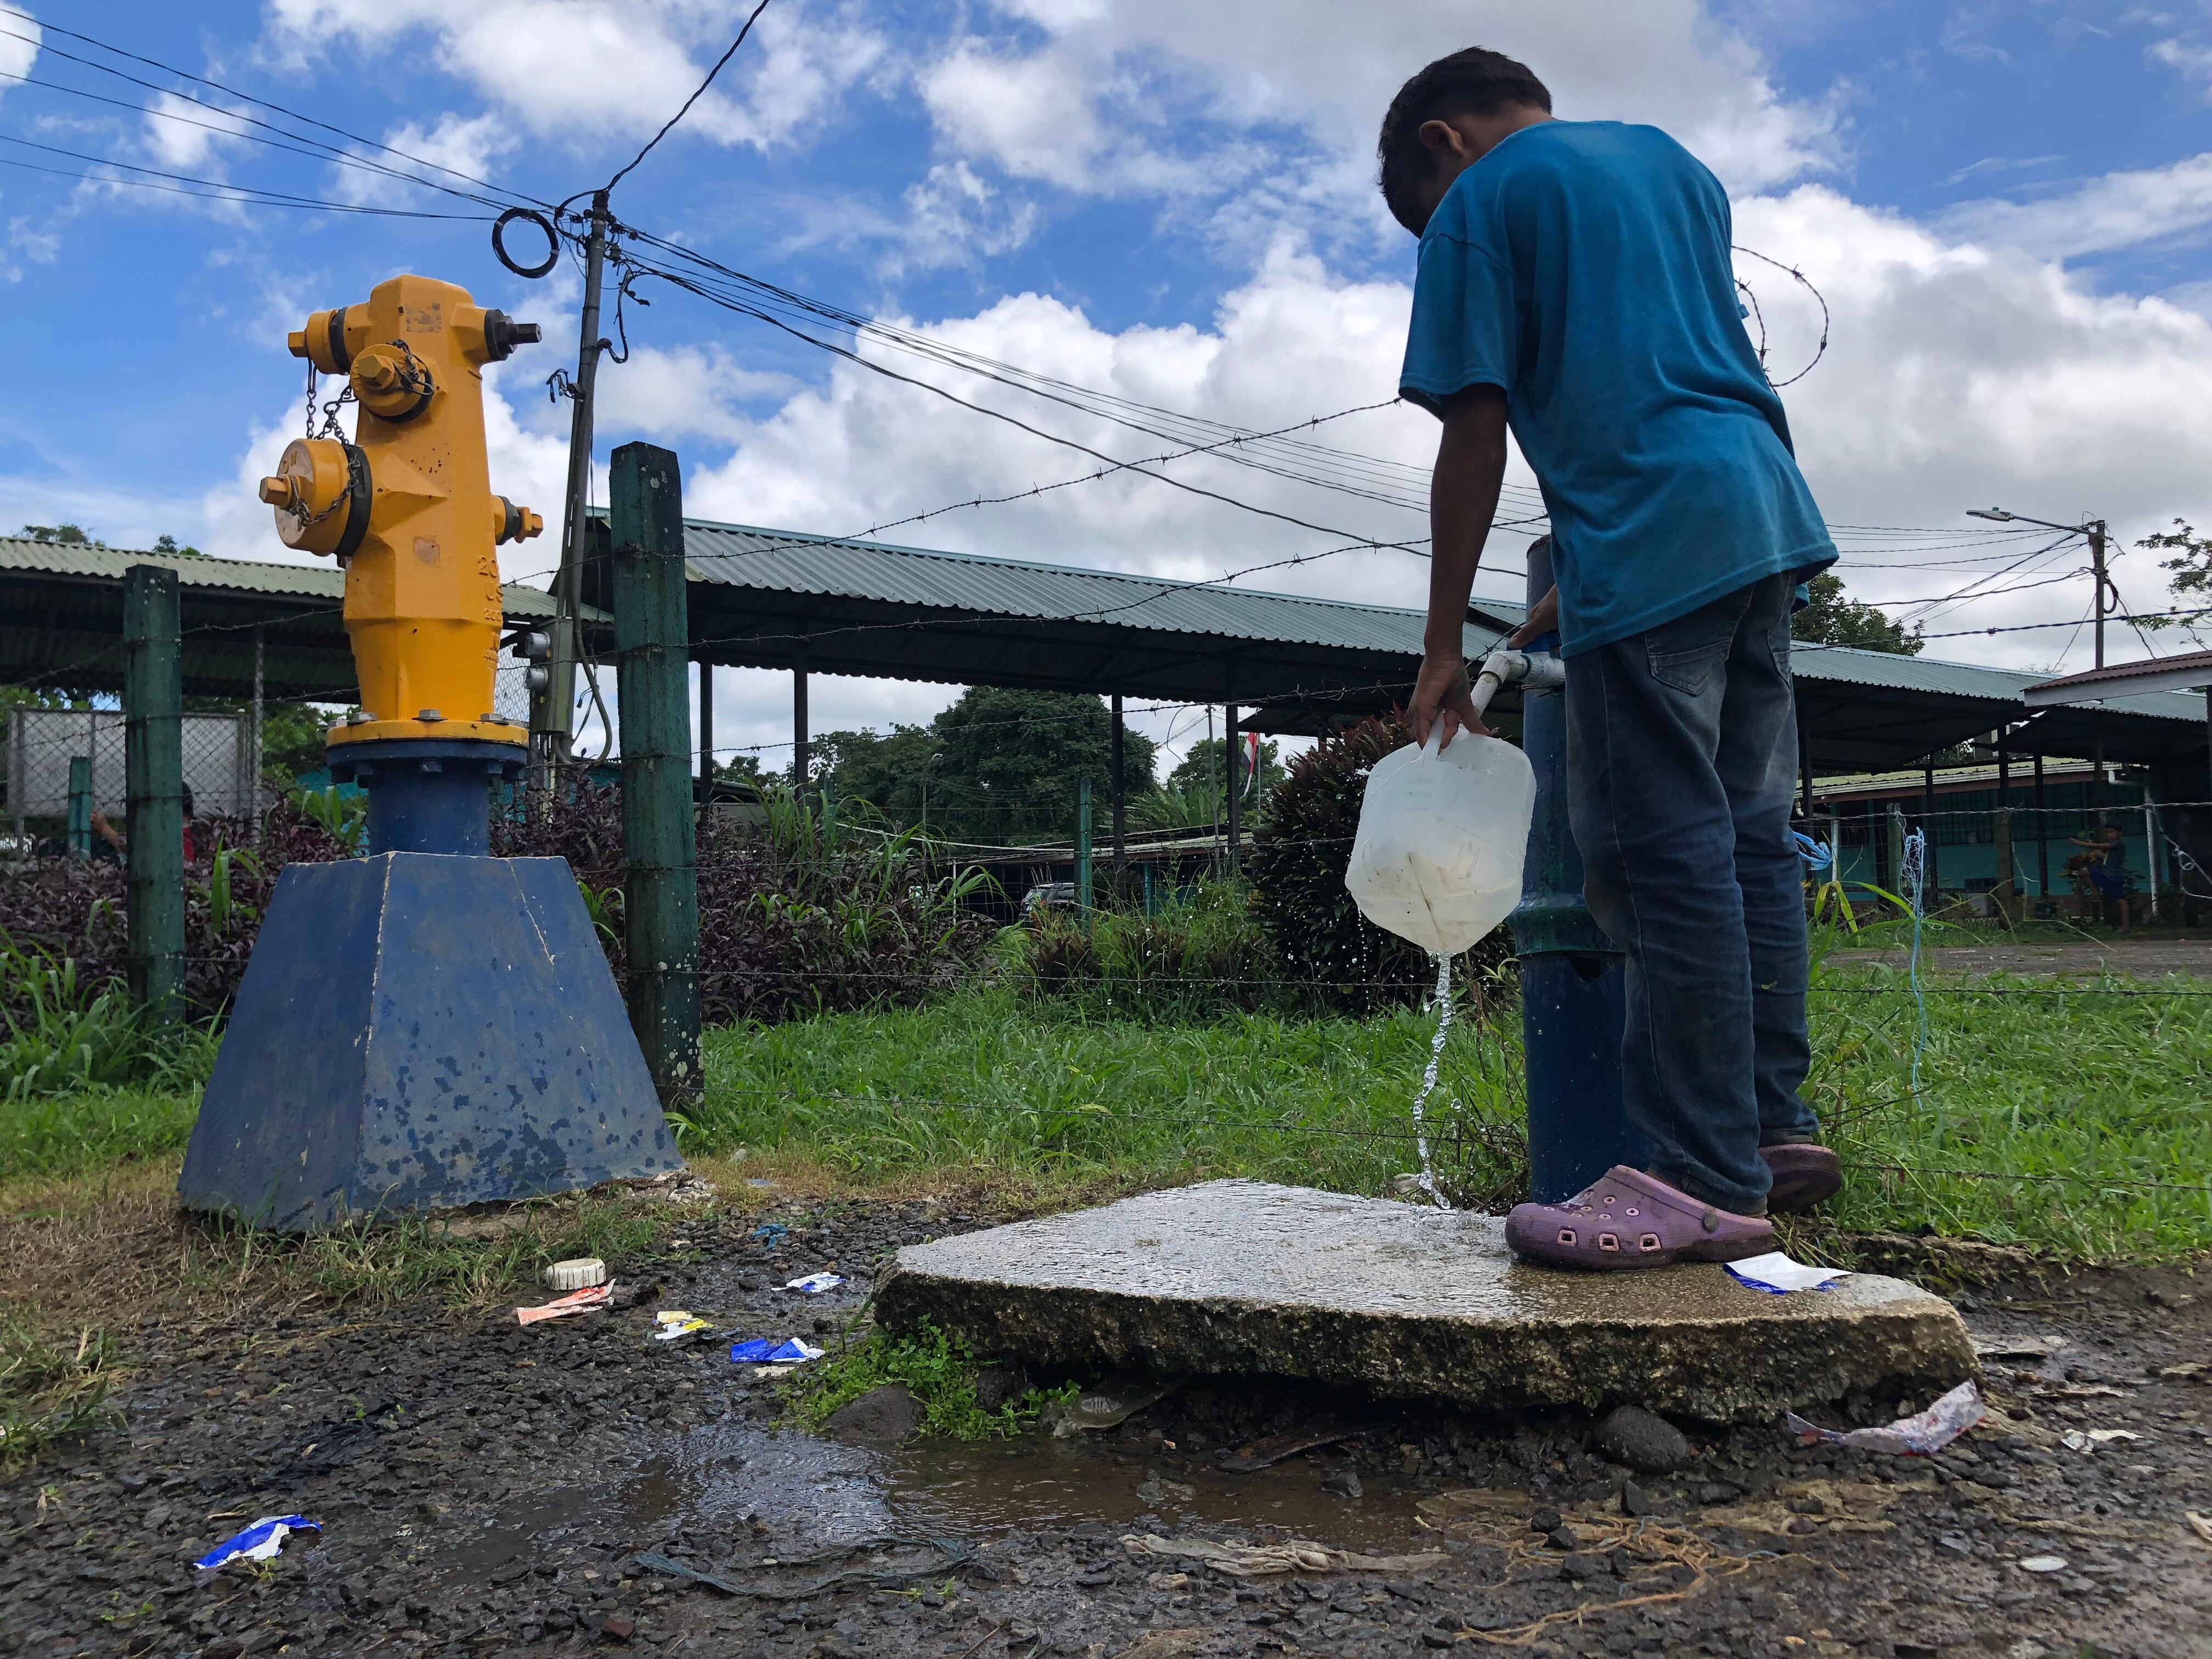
<point>823,1493</point>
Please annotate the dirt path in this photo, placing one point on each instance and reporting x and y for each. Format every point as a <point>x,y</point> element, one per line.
<point>486,1489</point>
<point>2150,958</point>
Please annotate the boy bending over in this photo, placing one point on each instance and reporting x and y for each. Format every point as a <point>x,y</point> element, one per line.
<point>1576,286</point>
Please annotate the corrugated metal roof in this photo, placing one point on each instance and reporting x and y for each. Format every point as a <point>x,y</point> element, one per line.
<point>2187,662</point>
<point>744,556</point>
<point>1892,672</point>
<point>291,581</point>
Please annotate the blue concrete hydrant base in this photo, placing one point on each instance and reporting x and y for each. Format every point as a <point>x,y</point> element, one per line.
<point>418,1032</point>
<point>1241,1277</point>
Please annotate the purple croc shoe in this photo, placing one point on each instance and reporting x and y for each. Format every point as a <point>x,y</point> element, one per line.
<point>1805,1173</point>
<point>1626,1218</point>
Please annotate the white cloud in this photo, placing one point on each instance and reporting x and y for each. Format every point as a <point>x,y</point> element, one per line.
<point>618,69</point>
<point>954,218</point>
<point>2118,210</point>
<point>2193,62</point>
<point>19,46</point>
<point>183,133</point>
<point>468,145</point>
<point>1032,115</point>
<point>1297,97</point>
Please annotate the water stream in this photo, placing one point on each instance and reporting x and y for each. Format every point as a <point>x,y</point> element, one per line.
<point>1443,1005</point>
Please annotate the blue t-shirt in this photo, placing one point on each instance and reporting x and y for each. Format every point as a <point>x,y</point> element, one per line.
<point>1583,267</point>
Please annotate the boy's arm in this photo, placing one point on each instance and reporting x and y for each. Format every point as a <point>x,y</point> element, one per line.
<point>1462,500</point>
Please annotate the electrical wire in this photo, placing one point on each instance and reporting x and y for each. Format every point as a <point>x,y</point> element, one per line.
<point>694,98</point>
<point>241,195</point>
<point>46,46</point>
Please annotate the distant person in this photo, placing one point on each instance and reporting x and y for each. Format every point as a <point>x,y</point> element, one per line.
<point>110,845</point>
<point>2108,868</point>
<point>1575,287</point>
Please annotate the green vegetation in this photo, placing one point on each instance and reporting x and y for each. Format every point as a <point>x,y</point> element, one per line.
<point>1830,617</point>
<point>991,1082</point>
<point>939,1371</point>
<point>2066,1116</point>
<point>52,1388</point>
<point>86,1076</point>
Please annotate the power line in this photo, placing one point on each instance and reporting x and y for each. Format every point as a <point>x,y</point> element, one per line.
<point>241,195</point>
<point>320,152</point>
<point>46,27</point>
<point>2023,627</point>
<point>694,98</point>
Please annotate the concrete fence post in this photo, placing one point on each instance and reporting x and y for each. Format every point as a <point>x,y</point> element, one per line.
<point>80,807</point>
<point>1083,848</point>
<point>651,646</point>
<point>153,789</point>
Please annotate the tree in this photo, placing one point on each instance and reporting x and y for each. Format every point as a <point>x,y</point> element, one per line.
<point>60,535</point>
<point>169,545</point>
<point>1203,775</point>
<point>2190,571</point>
<point>890,770</point>
<point>1833,619</point>
<point>1013,760</point>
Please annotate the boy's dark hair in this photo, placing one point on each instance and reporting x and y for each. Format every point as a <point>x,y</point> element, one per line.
<point>1475,81</point>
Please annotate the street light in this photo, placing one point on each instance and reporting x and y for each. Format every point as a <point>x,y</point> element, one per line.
<point>2093,529</point>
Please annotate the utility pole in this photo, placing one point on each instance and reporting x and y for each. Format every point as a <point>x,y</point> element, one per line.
<point>554,710</point>
<point>2093,531</point>
<point>2096,533</point>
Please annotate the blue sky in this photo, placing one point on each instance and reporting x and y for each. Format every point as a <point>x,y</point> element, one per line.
<point>2006,207</point>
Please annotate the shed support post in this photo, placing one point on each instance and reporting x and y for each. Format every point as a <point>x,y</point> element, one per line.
<point>1804,758</point>
<point>253,748</point>
<point>1928,827</point>
<point>1234,771</point>
<point>2005,894</point>
<point>800,759</point>
<point>153,789</point>
<point>2042,836</point>
<point>1121,803</point>
<point>705,736</point>
<point>1083,849</point>
<point>652,645</point>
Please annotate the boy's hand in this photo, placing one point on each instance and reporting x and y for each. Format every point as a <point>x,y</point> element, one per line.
<point>1441,693</point>
<point>1543,619</point>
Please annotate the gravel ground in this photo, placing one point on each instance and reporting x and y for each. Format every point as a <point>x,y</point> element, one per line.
<point>485,1488</point>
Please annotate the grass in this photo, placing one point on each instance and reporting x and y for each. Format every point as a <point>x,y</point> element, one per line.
<point>939,1371</point>
<point>72,1133</point>
<point>993,1082</point>
<point>2069,1118</point>
<point>2080,1118</point>
<point>53,1388</point>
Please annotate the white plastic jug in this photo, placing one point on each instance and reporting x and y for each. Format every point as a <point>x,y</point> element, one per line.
<point>1443,835</point>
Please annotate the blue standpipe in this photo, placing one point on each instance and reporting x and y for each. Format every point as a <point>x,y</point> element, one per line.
<point>1572,1002</point>
<point>425,1028</point>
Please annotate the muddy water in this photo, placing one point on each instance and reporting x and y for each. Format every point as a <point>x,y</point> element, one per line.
<point>720,1475</point>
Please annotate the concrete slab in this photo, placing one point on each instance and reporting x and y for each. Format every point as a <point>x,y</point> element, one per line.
<point>1242,1277</point>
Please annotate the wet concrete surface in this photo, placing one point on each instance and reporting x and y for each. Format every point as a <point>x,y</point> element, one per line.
<point>1407,1300</point>
<point>488,1489</point>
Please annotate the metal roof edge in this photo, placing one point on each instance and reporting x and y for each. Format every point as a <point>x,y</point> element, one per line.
<point>269,576</point>
<point>1046,567</point>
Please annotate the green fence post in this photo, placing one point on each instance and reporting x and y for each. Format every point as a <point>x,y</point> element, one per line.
<point>651,648</point>
<point>153,789</point>
<point>80,807</point>
<point>1083,848</point>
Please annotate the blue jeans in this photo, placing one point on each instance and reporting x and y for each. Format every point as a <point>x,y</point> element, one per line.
<point>1681,763</point>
